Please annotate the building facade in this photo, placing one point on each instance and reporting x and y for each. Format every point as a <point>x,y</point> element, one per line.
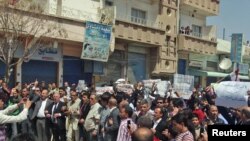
<point>196,40</point>
<point>150,39</point>
<point>143,43</point>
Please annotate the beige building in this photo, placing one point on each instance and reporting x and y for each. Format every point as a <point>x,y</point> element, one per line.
<point>196,40</point>
<point>144,37</point>
<point>143,43</point>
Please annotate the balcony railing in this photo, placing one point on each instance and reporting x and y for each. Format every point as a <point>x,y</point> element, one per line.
<point>139,21</point>
<point>208,36</point>
<point>202,36</point>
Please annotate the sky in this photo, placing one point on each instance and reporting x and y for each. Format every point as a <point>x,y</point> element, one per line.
<point>234,16</point>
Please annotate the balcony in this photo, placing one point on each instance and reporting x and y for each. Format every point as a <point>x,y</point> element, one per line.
<point>203,7</point>
<point>197,43</point>
<point>138,30</point>
<point>138,21</point>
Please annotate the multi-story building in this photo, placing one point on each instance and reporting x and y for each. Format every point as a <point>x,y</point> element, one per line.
<point>197,41</point>
<point>145,39</point>
<point>143,43</point>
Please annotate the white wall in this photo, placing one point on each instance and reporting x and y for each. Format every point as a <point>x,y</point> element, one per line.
<point>123,9</point>
<point>208,32</point>
<point>77,9</point>
<point>186,20</point>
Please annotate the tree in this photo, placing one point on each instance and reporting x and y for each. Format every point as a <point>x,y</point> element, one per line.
<point>24,24</point>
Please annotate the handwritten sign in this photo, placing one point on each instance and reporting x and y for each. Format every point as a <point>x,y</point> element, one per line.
<point>101,90</point>
<point>232,93</point>
<point>162,87</point>
<point>183,84</point>
<point>81,86</point>
<point>149,83</point>
<point>127,88</point>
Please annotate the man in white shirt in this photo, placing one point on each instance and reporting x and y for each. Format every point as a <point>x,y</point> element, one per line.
<point>159,123</point>
<point>41,126</point>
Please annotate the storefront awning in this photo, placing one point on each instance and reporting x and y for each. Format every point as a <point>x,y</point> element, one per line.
<point>212,74</point>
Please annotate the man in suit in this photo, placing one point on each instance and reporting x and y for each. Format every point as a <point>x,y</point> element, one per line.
<point>93,118</point>
<point>28,124</point>
<point>84,110</point>
<point>42,124</point>
<point>55,113</point>
<point>111,124</point>
<point>159,124</point>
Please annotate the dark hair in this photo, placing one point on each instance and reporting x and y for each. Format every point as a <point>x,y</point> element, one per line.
<point>184,118</point>
<point>194,115</point>
<point>173,132</point>
<point>160,98</point>
<point>145,121</point>
<point>178,103</point>
<point>128,110</point>
<point>62,88</point>
<point>105,96</point>
<point>144,101</point>
<point>162,110</point>
<point>119,96</point>
<point>73,89</point>
<point>85,94</point>
<point>246,112</point>
<point>24,137</point>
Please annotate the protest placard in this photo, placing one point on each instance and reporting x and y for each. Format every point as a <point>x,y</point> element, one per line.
<point>101,90</point>
<point>162,87</point>
<point>149,83</point>
<point>232,93</point>
<point>81,86</point>
<point>127,88</point>
<point>184,84</point>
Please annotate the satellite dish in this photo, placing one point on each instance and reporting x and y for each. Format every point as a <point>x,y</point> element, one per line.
<point>225,64</point>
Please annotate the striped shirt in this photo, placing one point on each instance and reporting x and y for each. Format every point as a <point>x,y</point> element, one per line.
<point>123,133</point>
<point>186,136</point>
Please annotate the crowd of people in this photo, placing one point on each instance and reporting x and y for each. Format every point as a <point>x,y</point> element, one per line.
<point>66,114</point>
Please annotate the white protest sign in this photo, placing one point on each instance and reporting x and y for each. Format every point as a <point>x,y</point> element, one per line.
<point>127,88</point>
<point>81,86</point>
<point>184,84</point>
<point>101,90</point>
<point>162,87</point>
<point>232,93</point>
<point>149,83</point>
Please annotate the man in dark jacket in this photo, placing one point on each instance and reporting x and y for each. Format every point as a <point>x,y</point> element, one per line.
<point>112,121</point>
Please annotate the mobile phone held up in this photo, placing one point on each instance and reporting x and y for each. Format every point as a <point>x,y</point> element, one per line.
<point>128,124</point>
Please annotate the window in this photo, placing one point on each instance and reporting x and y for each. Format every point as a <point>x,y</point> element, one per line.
<point>138,16</point>
<point>109,3</point>
<point>212,66</point>
<point>196,31</point>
